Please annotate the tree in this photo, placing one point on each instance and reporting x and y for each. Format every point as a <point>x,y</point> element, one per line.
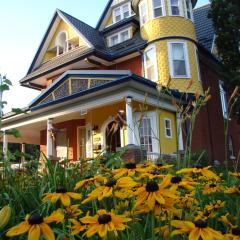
<point>226,20</point>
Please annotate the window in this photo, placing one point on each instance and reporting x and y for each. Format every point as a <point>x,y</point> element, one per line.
<point>198,64</point>
<point>223,97</point>
<point>150,64</point>
<point>188,7</point>
<point>61,43</point>
<point>119,37</point>
<point>168,127</point>
<point>230,148</point>
<point>121,12</point>
<point>175,7</point>
<point>143,12</point>
<point>158,8</point>
<point>145,134</point>
<point>178,60</point>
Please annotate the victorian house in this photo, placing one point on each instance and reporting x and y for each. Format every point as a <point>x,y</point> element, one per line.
<point>86,76</point>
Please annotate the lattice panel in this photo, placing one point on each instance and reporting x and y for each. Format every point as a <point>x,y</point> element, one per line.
<point>79,85</point>
<point>95,82</point>
<point>47,99</point>
<point>62,91</point>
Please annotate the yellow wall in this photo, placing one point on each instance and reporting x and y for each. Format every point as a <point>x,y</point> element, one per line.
<point>71,34</point>
<point>168,145</point>
<point>164,71</point>
<point>109,21</point>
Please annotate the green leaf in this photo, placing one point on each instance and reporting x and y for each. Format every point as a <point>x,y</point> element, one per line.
<point>14,132</point>
<point>8,82</point>
<point>4,87</point>
<point>17,110</point>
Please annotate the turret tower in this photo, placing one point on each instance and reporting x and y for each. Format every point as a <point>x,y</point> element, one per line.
<point>168,27</point>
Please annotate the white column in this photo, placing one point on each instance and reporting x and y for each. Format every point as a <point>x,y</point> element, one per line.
<point>129,120</point>
<point>122,137</point>
<point>23,150</point>
<point>49,138</point>
<point>179,132</point>
<point>5,145</point>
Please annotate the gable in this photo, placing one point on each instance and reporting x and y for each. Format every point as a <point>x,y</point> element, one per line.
<point>73,38</point>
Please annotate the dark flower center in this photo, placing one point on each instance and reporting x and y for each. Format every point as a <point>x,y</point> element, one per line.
<point>88,177</point>
<point>61,190</point>
<point>200,224</point>
<point>154,172</point>
<point>152,187</point>
<point>236,231</point>
<point>35,219</point>
<point>212,185</point>
<point>198,166</point>
<point>104,219</point>
<point>159,164</point>
<point>176,179</point>
<point>110,183</point>
<point>130,165</point>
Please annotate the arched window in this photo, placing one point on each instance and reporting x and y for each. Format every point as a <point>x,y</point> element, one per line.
<point>62,43</point>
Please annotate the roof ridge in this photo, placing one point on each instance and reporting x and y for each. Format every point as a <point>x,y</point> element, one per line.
<point>76,19</point>
<point>204,6</point>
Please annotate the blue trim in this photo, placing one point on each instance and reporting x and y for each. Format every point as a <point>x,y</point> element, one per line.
<point>104,14</point>
<point>42,43</point>
<point>98,88</point>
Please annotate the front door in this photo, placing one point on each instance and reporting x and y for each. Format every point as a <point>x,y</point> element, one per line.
<point>82,143</point>
<point>113,138</point>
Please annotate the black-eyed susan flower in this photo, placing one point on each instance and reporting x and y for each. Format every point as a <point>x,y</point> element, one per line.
<point>63,195</point>
<point>104,222</point>
<point>36,225</point>
<point>153,192</point>
<point>215,205</point>
<point>76,227</point>
<point>199,170</point>
<point>196,230</point>
<point>108,188</point>
<point>212,188</point>
<point>187,201</point>
<point>234,235</point>
<point>72,211</point>
<point>89,179</point>
<point>179,182</point>
<point>233,190</point>
<point>236,174</point>
<point>130,169</point>
<point>225,219</point>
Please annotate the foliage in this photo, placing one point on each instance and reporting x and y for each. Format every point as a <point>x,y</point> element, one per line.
<point>226,21</point>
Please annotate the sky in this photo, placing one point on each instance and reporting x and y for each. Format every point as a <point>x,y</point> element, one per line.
<point>22,26</point>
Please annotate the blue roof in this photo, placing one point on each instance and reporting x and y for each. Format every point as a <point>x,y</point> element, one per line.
<point>204,26</point>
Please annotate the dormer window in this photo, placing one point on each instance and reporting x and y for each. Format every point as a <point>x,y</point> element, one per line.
<point>119,37</point>
<point>121,12</point>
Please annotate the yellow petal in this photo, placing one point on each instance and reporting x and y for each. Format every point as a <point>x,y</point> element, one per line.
<point>47,231</point>
<point>92,230</point>
<point>56,216</point>
<point>195,234</point>
<point>88,219</point>
<point>65,199</point>
<point>151,200</point>
<point>182,224</point>
<point>73,195</point>
<point>19,229</point>
<point>34,232</point>
<point>102,230</point>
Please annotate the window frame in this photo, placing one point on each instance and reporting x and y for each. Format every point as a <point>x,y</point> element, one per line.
<point>151,47</point>
<point>121,12</point>
<point>118,34</point>
<point>223,99</point>
<point>191,10</point>
<point>170,59</point>
<point>170,128</point>
<point>198,63</point>
<point>180,9</point>
<point>163,9</point>
<point>140,13</point>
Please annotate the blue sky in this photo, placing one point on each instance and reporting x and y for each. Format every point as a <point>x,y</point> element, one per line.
<point>22,26</point>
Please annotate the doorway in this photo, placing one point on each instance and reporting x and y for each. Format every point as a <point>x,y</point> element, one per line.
<point>81,143</point>
<point>113,137</point>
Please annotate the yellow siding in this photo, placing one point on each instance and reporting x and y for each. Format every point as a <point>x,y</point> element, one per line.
<point>164,71</point>
<point>71,34</point>
<point>109,21</point>
<point>168,145</point>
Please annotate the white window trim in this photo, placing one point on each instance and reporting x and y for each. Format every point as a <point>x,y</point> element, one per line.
<point>198,63</point>
<point>154,129</point>
<point>165,129</point>
<point>153,46</point>
<point>223,99</point>
<point>140,15</point>
<point>118,34</point>
<point>191,10</point>
<point>121,11</point>
<point>163,9</point>
<point>180,9</point>
<point>170,59</point>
